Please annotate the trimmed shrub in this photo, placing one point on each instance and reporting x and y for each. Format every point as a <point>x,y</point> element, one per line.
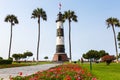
<point>108,59</point>
<point>5,61</point>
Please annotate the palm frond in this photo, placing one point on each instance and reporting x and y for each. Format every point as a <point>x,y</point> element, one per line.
<point>70,16</point>
<point>112,22</point>
<point>12,19</point>
<point>39,12</point>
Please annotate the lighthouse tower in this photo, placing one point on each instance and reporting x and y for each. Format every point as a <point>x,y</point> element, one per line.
<point>60,54</point>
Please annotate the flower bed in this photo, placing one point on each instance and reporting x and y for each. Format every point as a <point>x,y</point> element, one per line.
<point>61,72</point>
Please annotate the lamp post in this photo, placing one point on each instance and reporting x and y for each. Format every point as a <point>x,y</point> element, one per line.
<point>90,64</point>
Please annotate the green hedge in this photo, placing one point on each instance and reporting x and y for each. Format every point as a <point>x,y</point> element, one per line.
<point>5,61</point>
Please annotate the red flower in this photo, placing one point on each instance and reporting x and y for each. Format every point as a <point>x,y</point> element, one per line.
<point>78,78</point>
<point>67,78</point>
<point>94,78</point>
<point>89,74</point>
<point>20,73</point>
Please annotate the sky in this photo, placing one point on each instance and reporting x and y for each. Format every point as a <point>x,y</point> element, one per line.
<point>90,32</point>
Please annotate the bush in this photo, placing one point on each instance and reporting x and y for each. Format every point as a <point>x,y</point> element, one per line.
<point>10,58</point>
<point>108,59</point>
<point>5,61</point>
<point>1,58</point>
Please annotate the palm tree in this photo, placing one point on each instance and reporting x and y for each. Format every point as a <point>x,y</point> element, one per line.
<point>113,22</point>
<point>13,20</point>
<point>70,16</point>
<point>118,38</point>
<point>37,13</point>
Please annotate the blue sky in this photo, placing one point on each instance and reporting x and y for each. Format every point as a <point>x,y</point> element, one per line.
<point>90,32</point>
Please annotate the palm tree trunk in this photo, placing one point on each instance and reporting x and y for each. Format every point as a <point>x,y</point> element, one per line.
<point>38,39</point>
<point>70,41</point>
<point>115,43</point>
<point>10,41</point>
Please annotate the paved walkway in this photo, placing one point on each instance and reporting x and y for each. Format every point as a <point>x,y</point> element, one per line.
<point>28,70</point>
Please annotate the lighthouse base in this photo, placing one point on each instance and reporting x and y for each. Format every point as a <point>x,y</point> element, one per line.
<point>60,57</point>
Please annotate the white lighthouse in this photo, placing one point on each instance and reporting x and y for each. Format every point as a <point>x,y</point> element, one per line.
<point>60,54</point>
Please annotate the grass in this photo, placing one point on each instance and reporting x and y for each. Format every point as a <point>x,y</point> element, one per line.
<point>14,64</point>
<point>104,72</point>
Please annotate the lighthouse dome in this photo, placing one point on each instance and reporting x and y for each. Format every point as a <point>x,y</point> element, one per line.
<point>59,18</point>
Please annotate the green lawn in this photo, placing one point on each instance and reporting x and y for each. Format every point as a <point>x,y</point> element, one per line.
<point>104,72</point>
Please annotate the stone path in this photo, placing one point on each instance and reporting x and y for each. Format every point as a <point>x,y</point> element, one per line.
<point>28,70</point>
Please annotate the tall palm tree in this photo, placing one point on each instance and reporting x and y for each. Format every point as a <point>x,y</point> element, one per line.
<point>39,13</point>
<point>70,16</point>
<point>113,22</point>
<point>13,20</point>
<point>118,38</point>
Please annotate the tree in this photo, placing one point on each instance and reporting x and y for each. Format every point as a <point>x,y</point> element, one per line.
<point>27,54</point>
<point>103,53</point>
<point>39,13</point>
<point>118,38</point>
<point>94,54</point>
<point>119,55</point>
<point>22,56</point>
<point>113,22</point>
<point>85,56</point>
<point>70,16</point>
<point>17,56</point>
<point>46,57</point>
<point>13,20</point>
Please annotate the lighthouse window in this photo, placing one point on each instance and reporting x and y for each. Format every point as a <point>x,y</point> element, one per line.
<point>59,32</point>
